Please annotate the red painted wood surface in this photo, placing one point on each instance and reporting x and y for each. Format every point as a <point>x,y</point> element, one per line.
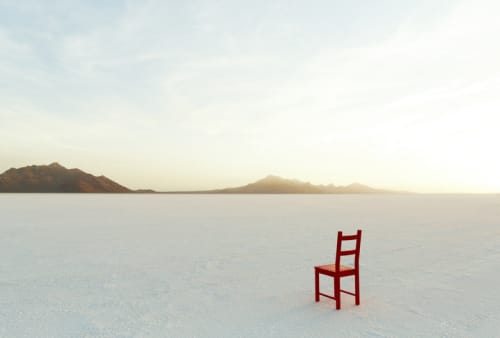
<point>337,271</point>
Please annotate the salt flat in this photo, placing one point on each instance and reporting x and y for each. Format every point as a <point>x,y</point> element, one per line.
<point>242,265</point>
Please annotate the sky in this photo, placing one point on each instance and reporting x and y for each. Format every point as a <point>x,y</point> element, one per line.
<point>187,95</point>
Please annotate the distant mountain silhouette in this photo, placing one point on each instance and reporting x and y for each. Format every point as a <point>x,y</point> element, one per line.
<point>278,185</point>
<point>56,178</point>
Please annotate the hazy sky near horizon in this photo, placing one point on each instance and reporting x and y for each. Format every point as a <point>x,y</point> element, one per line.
<point>180,95</point>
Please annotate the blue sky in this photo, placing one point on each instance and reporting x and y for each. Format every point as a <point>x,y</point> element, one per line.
<point>175,95</point>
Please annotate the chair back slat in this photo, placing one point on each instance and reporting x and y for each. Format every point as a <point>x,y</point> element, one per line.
<point>355,252</point>
<point>348,252</point>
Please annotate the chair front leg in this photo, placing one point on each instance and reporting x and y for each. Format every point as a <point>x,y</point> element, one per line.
<point>316,285</point>
<point>336,287</point>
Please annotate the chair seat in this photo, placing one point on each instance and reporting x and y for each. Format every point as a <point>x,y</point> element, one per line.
<point>330,269</point>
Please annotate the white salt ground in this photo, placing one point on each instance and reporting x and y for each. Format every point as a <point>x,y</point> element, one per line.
<point>242,265</point>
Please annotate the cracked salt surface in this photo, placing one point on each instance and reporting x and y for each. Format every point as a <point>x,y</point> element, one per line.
<point>242,265</point>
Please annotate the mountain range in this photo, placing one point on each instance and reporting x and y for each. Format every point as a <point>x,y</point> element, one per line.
<point>278,185</point>
<point>55,178</point>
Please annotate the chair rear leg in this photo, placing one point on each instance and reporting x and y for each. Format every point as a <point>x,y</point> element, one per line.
<point>336,289</point>
<point>356,286</point>
<point>316,286</point>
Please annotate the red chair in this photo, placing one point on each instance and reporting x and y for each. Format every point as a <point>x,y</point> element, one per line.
<point>338,271</point>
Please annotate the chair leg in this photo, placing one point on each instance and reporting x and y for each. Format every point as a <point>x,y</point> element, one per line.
<point>356,286</point>
<point>336,287</point>
<point>316,286</point>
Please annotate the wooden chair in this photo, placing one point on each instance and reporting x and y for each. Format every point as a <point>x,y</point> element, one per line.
<point>337,271</point>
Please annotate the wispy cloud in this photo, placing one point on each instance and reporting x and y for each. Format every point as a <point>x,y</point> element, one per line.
<point>318,92</point>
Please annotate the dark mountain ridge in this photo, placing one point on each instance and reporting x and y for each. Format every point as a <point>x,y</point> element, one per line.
<point>56,178</point>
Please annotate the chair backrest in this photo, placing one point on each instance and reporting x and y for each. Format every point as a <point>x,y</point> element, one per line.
<point>341,238</point>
